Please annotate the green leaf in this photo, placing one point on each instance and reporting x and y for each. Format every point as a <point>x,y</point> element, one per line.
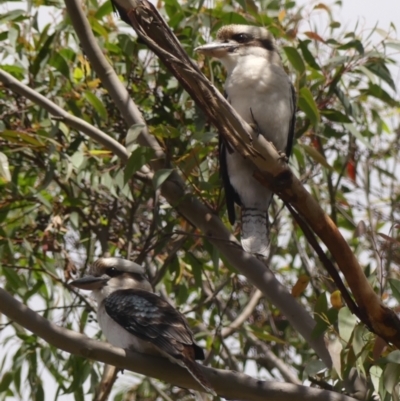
<point>380,70</point>
<point>395,287</point>
<point>347,322</point>
<point>393,357</point>
<point>42,55</point>
<point>13,280</point>
<point>307,104</point>
<point>160,176</point>
<point>335,116</point>
<point>317,156</point>
<point>105,9</point>
<point>132,136</point>
<point>320,311</point>
<point>4,167</point>
<point>5,381</point>
<point>378,92</point>
<point>376,374</point>
<point>357,134</point>
<point>96,103</point>
<point>39,394</point>
<point>361,339</point>
<point>138,158</point>
<point>391,376</point>
<point>265,336</point>
<point>295,59</point>
<point>60,64</point>
<point>393,44</point>
<point>345,101</point>
<point>97,27</point>
<point>310,59</point>
<point>14,70</point>
<point>313,367</point>
<point>353,44</point>
<point>12,16</point>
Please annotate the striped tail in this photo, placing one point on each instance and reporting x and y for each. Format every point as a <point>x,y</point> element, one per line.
<point>194,369</point>
<point>255,231</point>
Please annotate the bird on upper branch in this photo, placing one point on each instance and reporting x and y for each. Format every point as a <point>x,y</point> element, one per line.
<point>259,89</point>
<point>131,316</point>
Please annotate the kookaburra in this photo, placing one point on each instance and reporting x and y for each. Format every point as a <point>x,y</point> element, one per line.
<point>259,89</point>
<point>131,316</point>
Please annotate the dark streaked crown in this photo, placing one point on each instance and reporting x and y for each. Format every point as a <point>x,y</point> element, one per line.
<point>115,266</point>
<point>247,35</point>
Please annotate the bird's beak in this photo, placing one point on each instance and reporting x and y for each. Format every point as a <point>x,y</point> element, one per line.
<point>216,49</point>
<point>90,282</point>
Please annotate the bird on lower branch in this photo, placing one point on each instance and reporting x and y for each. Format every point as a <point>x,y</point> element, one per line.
<point>259,89</point>
<point>131,316</point>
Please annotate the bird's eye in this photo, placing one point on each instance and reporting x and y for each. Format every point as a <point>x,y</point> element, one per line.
<point>241,37</point>
<point>113,272</point>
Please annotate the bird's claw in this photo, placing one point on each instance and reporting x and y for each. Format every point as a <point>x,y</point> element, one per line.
<point>283,156</point>
<point>254,125</point>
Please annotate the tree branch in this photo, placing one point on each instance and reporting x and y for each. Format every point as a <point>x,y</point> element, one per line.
<point>227,384</point>
<point>174,190</point>
<point>244,315</point>
<point>270,169</point>
<point>80,125</point>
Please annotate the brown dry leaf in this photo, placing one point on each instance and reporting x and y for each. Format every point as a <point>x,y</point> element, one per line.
<point>322,6</point>
<point>314,36</point>
<point>68,269</point>
<point>360,230</point>
<point>390,239</point>
<point>301,285</point>
<point>379,347</point>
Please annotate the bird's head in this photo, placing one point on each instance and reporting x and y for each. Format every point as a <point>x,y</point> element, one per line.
<point>110,274</point>
<point>236,41</point>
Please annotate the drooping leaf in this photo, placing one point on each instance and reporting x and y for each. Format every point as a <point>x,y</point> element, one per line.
<point>138,158</point>
<point>317,156</point>
<point>160,176</point>
<point>347,323</point>
<point>378,68</point>
<point>295,59</point>
<point>395,287</point>
<point>307,104</point>
<point>4,167</point>
<point>132,136</point>
<point>59,63</point>
<point>308,56</point>
<point>96,103</point>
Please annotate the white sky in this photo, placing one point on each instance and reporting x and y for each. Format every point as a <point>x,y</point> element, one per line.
<point>367,13</point>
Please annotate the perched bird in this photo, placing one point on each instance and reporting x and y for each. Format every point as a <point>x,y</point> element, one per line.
<point>259,89</point>
<point>133,317</point>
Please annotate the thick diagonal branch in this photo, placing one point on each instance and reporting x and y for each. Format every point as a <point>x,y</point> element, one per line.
<point>270,169</point>
<point>174,190</point>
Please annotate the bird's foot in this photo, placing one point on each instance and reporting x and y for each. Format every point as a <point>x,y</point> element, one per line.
<point>254,125</point>
<point>283,156</point>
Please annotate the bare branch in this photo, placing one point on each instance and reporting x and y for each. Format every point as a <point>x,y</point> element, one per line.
<point>80,125</point>
<point>230,385</point>
<point>108,379</point>
<point>108,76</point>
<point>270,169</point>
<point>174,190</point>
<point>246,312</point>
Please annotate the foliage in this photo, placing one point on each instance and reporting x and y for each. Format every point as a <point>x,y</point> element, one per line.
<point>65,199</point>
